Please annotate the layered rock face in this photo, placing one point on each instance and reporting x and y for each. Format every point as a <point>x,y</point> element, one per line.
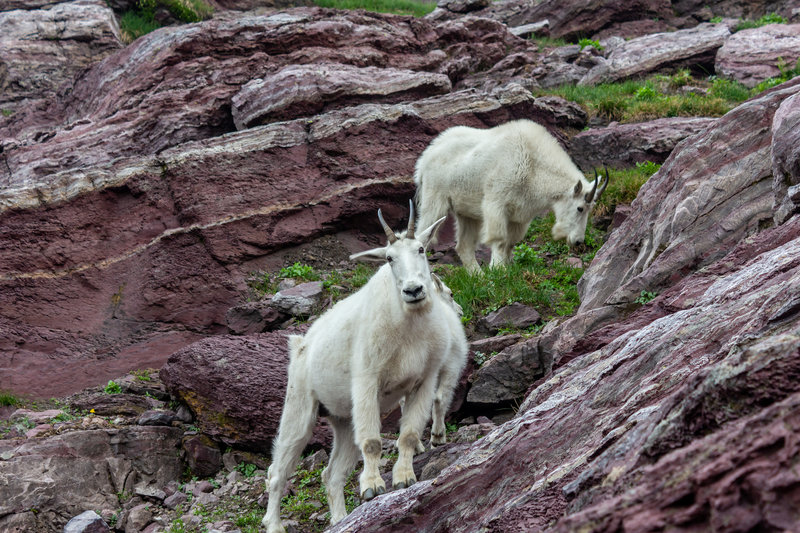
<point>130,219</point>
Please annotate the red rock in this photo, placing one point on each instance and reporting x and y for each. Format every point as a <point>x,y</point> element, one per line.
<point>751,56</point>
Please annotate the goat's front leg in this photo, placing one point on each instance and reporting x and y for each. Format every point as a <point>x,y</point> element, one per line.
<point>367,424</point>
<point>416,413</point>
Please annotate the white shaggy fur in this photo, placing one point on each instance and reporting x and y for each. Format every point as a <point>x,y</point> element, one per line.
<point>396,338</point>
<point>495,181</point>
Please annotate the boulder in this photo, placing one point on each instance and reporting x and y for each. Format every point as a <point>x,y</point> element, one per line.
<point>624,145</point>
<point>507,376</point>
<point>304,90</point>
<point>46,44</point>
<point>300,300</point>
<point>86,522</point>
<point>235,386</point>
<point>642,55</point>
<point>786,159</point>
<point>751,56</point>
<point>515,315</point>
<point>254,317</point>
<point>41,473</point>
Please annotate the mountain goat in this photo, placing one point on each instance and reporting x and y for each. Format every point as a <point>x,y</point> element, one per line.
<point>396,338</point>
<point>495,181</point>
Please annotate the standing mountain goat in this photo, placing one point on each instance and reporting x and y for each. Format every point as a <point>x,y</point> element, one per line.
<point>396,338</point>
<point>495,181</point>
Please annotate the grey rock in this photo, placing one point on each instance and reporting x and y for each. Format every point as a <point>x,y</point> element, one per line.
<point>176,499</point>
<point>515,315</point>
<point>156,418</point>
<point>646,54</point>
<point>150,492</point>
<point>301,300</point>
<point>87,522</point>
<point>138,518</point>
<point>526,30</point>
<point>508,375</point>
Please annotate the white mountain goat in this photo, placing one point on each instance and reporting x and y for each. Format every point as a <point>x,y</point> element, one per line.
<point>397,337</point>
<point>495,181</point>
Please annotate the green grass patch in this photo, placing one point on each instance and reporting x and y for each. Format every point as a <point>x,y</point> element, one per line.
<point>543,43</point>
<point>398,7</point>
<point>769,18</point>
<point>655,97</point>
<point>141,20</point>
<point>9,400</point>
<point>624,186</point>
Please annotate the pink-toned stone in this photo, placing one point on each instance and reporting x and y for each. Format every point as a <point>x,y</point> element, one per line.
<point>786,159</point>
<point>645,54</point>
<point>751,56</point>
<point>303,90</point>
<point>624,145</point>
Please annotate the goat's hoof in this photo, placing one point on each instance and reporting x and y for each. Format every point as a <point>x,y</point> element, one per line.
<point>370,493</point>
<point>403,484</point>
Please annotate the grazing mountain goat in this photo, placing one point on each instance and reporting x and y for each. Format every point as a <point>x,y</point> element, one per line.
<point>495,181</point>
<point>397,338</point>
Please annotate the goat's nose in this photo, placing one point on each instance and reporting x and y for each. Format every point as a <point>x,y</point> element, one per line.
<point>414,292</point>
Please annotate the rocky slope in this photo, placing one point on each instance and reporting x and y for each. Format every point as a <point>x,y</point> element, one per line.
<point>142,185</point>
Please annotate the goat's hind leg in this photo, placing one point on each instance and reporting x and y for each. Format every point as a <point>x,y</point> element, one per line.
<point>297,423</point>
<point>448,381</point>
<point>343,460</point>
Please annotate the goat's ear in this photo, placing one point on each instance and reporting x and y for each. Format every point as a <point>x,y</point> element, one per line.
<point>430,231</point>
<point>578,189</point>
<point>376,254</point>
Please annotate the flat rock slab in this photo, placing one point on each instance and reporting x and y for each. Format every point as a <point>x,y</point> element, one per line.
<point>754,55</point>
<point>303,90</point>
<point>650,52</point>
<point>624,145</point>
<point>786,159</point>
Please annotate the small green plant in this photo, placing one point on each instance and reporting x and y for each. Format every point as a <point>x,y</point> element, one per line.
<point>299,270</point>
<point>646,93</point>
<point>769,18</point>
<point>112,387</point>
<point>645,297</point>
<point>143,374</point>
<point>9,400</point>
<point>785,75</point>
<point>681,78</point>
<point>247,469</point>
<point>6,112</point>
<point>62,417</point>
<point>583,43</point>
<point>715,20</point>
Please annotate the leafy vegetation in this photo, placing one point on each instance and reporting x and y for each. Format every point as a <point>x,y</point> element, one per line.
<point>142,19</point>
<point>299,270</point>
<point>398,7</point>
<point>583,43</point>
<point>247,469</point>
<point>769,18</point>
<point>645,297</point>
<point>9,400</point>
<point>112,387</point>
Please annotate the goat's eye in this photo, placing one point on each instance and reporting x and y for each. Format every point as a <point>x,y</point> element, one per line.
<point>388,258</point>
<point>421,250</point>
<point>580,210</point>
